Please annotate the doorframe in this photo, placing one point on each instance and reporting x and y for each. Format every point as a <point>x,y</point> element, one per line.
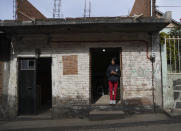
<point>90,71</point>
<point>51,67</point>
<point>18,67</point>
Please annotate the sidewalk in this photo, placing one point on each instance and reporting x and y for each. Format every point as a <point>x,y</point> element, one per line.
<point>75,124</point>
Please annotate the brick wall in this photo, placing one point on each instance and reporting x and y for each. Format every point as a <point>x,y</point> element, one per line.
<point>25,10</point>
<point>137,74</point>
<point>75,89</point>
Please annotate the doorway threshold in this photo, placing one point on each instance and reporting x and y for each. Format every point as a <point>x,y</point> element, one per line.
<point>46,115</point>
<point>105,100</point>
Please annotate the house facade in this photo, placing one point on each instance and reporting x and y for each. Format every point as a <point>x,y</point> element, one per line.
<point>59,65</point>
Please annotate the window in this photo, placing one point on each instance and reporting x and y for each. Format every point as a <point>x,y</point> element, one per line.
<point>27,64</point>
<point>70,65</point>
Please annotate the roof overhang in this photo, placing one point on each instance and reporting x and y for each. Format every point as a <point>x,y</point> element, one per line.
<point>87,25</point>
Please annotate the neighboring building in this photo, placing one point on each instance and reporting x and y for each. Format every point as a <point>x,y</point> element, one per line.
<point>60,64</point>
<point>173,24</point>
<point>141,7</point>
<point>26,11</point>
<point>146,8</point>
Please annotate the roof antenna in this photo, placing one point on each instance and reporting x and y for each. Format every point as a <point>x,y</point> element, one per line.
<point>87,11</point>
<point>57,12</point>
<point>14,9</point>
<point>153,8</point>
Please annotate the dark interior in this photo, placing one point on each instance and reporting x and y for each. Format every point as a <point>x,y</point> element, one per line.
<point>100,60</point>
<point>4,48</point>
<point>44,87</point>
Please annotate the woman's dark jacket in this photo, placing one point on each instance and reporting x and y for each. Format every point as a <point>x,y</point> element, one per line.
<point>115,68</point>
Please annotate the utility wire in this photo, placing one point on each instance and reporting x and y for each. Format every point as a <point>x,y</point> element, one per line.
<point>168,6</point>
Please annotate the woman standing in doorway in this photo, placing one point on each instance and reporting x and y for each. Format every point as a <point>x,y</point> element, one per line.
<point>113,74</point>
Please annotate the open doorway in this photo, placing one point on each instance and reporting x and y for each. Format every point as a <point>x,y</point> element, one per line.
<point>44,84</point>
<point>100,60</point>
<point>35,88</point>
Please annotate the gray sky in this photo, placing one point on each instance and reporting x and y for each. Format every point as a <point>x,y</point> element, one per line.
<point>74,8</point>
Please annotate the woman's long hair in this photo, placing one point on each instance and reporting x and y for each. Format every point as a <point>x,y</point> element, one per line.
<point>114,59</point>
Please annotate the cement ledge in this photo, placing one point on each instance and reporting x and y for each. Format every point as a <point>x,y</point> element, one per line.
<point>176,113</point>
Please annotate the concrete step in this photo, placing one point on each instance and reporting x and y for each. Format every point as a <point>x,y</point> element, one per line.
<point>96,115</point>
<point>33,117</point>
<point>178,104</point>
<point>177,82</point>
<point>105,99</point>
<point>42,116</point>
<point>119,107</point>
<point>177,87</point>
<point>116,107</point>
<point>176,113</point>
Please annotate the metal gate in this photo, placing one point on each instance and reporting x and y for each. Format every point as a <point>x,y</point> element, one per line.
<point>173,49</point>
<point>173,54</point>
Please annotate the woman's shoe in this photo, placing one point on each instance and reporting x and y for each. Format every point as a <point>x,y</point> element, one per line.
<point>114,102</point>
<point>111,102</point>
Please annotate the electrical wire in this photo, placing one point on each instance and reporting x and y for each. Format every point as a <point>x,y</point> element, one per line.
<point>168,6</point>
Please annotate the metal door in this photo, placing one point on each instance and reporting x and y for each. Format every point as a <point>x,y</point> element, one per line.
<point>27,86</point>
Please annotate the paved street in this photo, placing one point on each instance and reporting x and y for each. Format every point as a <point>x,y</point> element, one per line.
<point>167,126</point>
<point>143,122</point>
<point>164,127</point>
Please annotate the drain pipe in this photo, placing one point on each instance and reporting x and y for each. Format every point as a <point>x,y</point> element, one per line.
<point>152,58</point>
<point>153,89</point>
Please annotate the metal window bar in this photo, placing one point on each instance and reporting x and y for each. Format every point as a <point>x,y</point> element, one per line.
<point>170,55</point>
<point>175,63</point>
